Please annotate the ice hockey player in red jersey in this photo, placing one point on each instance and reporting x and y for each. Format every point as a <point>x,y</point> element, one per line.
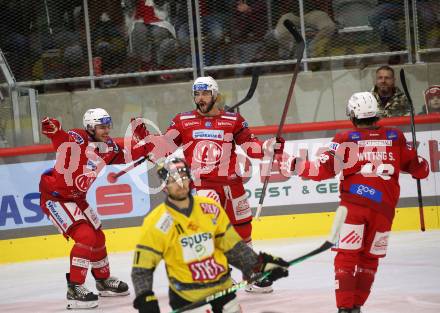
<point>369,159</point>
<point>81,154</point>
<point>209,137</point>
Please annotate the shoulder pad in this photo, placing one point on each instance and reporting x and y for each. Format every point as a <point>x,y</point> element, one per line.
<point>210,208</point>
<point>77,135</point>
<point>333,146</point>
<point>234,118</point>
<point>187,113</point>
<point>392,134</point>
<point>230,113</point>
<point>353,135</point>
<point>111,142</point>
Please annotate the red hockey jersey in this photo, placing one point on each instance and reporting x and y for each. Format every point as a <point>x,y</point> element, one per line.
<point>370,161</point>
<point>209,143</point>
<point>79,161</point>
<point>145,12</point>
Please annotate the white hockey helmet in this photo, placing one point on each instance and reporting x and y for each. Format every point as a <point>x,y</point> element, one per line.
<point>206,83</point>
<point>95,117</point>
<point>362,105</point>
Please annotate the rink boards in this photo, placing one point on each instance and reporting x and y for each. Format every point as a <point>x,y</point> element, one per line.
<point>268,227</point>
<point>292,207</point>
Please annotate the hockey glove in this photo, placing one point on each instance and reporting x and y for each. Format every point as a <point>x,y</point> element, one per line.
<point>419,168</point>
<point>277,266</point>
<point>273,145</point>
<point>140,131</point>
<point>279,145</point>
<point>146,302</point>
<point>49,126</point>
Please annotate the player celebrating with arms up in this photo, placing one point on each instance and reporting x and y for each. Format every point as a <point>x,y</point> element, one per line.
<point>370,158</point>
<point>195,238</point>
<point>81,154</point>
<point>209,136</point>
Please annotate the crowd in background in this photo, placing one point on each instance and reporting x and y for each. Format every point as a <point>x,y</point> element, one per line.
<point>47,39</point>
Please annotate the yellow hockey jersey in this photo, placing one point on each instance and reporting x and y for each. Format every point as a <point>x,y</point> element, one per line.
<point>192,246</point>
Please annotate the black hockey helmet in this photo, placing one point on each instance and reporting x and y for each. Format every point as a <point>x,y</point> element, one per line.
<point>172,167</point>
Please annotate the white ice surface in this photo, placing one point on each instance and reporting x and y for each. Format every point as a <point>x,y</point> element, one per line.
<point>408,281</point>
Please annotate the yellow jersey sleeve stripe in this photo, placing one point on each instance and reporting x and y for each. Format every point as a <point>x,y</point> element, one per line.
<point>223,234</point>
<point>142,247</point>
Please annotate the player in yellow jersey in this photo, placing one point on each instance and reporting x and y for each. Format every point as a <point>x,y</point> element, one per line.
<point>194,237</point>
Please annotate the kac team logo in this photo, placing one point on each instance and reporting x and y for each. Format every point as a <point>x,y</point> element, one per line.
<point>207,152</point>
<point>83,181</point>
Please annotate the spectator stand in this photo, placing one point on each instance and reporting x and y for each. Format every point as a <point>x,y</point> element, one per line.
<point>426,23</point>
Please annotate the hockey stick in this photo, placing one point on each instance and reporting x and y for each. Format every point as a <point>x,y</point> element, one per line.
<point>413,132</point>
<point>338,221</point>
<point>250,93</point>
<point>113,177</point>
<point>299,55</point>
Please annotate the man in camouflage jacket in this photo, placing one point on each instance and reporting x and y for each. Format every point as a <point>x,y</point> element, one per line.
<point>392,101</point>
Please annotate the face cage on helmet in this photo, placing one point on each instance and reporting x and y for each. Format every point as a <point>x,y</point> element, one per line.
<point>177,178</point>
<point>165,174</point>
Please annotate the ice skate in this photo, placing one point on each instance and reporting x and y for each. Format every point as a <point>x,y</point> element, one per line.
<point>263,286</point>
<point>344,310</point>
<point>79,297</point>
<point>111,287</point>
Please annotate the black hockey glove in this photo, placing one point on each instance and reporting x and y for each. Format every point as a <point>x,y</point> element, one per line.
<point>146,302</point>
<point>277,266</point>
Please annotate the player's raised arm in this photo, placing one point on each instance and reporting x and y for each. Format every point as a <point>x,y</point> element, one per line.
<point>51,127</point>
<point>254,147</point>
<point>83,153</point>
